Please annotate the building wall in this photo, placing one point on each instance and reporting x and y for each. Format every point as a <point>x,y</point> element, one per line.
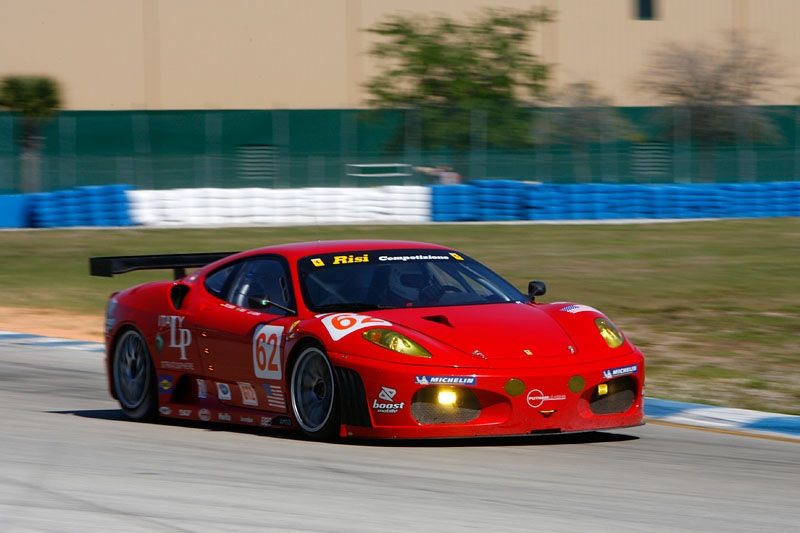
<point>311,54</point>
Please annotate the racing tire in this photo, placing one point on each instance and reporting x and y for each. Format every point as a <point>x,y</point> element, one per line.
<point>314,395</point>
<point>133,376</point>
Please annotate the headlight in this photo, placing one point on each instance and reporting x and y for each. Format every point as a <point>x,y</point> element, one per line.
<point>609,332</point>
<point>395,341</point>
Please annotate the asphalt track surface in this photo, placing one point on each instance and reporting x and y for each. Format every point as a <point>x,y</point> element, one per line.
<point>70,462</point>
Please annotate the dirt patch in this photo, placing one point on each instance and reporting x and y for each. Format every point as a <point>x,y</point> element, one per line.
<point>52,324</point>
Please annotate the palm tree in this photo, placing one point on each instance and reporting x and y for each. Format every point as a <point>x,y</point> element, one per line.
<point>34,99</point>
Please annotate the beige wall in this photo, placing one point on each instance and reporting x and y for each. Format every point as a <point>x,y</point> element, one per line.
<point>242,54</point>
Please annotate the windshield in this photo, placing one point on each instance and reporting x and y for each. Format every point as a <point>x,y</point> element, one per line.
<point>389,279</point>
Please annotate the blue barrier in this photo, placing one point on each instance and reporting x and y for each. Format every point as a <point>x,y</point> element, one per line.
<point>14,211</point>
<point>502,200</point>
<point>83,206</point>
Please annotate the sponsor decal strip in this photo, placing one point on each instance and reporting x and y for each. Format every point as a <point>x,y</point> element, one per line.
<point>620,371</point>
<point>468,381</point>
<point>387,407</point>
<point>274,396</point>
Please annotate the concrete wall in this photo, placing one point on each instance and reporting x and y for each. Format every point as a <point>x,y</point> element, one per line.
<point>306,54</point>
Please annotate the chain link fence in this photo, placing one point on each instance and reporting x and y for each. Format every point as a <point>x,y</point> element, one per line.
<point>348,148</point>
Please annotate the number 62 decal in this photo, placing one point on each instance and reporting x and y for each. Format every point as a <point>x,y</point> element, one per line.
<point>340,324</point>
<point>267,352</point>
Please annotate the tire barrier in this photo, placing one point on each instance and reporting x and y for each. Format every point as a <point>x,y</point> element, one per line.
<point>279,207</point>
<point>15,211</point>
<point>501,200</point>
<point>483,200</point>
<point>83,206</point>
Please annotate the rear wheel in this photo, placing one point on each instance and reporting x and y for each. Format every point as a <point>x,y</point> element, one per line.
<point>134,376</point>
<point>314,395</point>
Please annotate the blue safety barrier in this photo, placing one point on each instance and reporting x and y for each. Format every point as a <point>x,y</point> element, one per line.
<point>105,205</point>
<point>15,211</point>
<point>501,200</point>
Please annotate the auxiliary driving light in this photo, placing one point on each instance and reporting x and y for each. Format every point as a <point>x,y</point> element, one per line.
<point>447,397</point>
<point>602,389</point>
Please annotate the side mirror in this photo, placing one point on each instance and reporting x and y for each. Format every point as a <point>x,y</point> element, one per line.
<point>258,302</point>
<point>536,288</point>
<point>263,302</point>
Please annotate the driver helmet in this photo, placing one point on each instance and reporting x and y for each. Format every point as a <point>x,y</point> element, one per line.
<point>406,281</point>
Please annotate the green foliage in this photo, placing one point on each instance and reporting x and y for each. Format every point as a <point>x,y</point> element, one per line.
<point>453,73</point>
<point>33,97</point>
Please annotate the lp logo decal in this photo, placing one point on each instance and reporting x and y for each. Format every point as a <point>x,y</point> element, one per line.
<point>179,337</point>
<point>267,352</point>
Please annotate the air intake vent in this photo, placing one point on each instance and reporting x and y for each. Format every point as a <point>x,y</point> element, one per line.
<point>353,398</point>
<point>619,398</point>
<point>426,409</point>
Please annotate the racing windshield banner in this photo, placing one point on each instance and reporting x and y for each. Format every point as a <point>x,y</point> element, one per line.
<point>378,257</point>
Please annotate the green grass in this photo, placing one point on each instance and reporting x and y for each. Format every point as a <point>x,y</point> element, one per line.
<point>715,306</point>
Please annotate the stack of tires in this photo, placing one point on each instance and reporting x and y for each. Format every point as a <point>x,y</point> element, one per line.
<point>502,200</point>
<point>82,206</point>
<point>453,203</point>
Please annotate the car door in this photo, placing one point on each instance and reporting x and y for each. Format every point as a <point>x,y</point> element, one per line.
<point>242,332</point>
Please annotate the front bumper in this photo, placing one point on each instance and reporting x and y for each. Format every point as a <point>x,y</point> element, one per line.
<point>416,401</point>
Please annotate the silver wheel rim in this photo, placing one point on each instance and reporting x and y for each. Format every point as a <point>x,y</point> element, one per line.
<point>131,370</point>
<point>312,390</point>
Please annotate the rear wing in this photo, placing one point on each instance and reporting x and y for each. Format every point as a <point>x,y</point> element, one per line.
<point>108,266</point>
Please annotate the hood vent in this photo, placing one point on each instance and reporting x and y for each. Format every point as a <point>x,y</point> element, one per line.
<point>439,319</point>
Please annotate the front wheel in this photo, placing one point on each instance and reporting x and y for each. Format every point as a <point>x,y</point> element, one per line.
<point>314,395</point>
<point>134,376</point>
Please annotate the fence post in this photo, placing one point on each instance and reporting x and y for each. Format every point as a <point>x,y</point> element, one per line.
<point>683,148</point>
<point>477,142</point>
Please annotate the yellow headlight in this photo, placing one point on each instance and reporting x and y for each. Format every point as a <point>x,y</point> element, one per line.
<point>397,342</point>
<point>609,332</point>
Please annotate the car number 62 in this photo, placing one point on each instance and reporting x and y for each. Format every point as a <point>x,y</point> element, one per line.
<point>267,352</point>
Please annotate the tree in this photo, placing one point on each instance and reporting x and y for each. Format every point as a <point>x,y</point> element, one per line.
<point>450,72</point>
<point>580,117</point>
<point>34,99</point>
<point>717,87</point>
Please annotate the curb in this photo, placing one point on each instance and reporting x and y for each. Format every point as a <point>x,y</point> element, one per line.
<point>27,339</point>
<point>667,411</point>
<point>722,418</point>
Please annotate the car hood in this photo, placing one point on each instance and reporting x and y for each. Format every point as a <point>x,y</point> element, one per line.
<point>495,332</point>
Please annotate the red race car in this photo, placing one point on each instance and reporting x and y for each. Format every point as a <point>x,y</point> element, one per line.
<point>373,339</point>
